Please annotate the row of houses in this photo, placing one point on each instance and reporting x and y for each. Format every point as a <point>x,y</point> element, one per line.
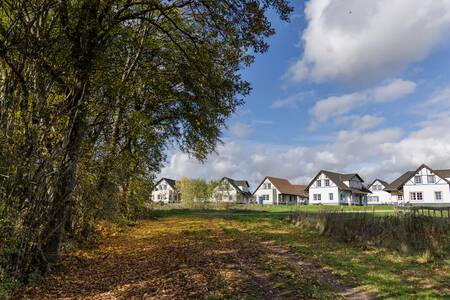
<point>421,186</point>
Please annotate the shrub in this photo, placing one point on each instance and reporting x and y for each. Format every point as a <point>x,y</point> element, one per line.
<point>405,233</point>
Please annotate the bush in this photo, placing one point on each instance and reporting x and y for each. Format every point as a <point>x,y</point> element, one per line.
<point>405,233</point>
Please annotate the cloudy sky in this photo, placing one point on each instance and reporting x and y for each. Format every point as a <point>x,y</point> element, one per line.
<point>349,86</point>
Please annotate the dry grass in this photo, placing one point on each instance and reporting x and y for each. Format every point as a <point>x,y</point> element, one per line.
<point>407,233</point>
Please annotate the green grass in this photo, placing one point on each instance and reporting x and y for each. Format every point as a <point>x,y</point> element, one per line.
<point>316,208</point>
<point>386,274</point>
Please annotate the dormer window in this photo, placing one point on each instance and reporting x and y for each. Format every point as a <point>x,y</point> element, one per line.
<point>319,183</point>
<point>418,179</point>
<point>431,179</point>
<point>327,182</point>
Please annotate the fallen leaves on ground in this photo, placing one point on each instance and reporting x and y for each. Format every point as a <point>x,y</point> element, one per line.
<point>177,258</point>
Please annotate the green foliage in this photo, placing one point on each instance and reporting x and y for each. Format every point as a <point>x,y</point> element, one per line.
<point>195,190</point>
<point>92,93</point>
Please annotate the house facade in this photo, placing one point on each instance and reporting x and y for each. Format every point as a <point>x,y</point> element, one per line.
<point>274,190</point>
<point>337,189</point>
<point>232,191</point>
<point>424,186</point>
<point>165,191</point>
<point>378,195</point>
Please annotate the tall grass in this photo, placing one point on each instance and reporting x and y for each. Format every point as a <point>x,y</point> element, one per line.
<point>406,233</point>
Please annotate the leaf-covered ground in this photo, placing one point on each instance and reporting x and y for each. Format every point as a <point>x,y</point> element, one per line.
<point>189,254</point>
<point>180,258</point>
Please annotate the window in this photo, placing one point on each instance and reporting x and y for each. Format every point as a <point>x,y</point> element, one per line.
<point>331,196</point>
<point>416,196</point>
<point>437,195</point>
<point>400,197</point>
<point>319,183</point>
<point>317,197</point>
<point>417,179</point>
<point>374,199</point>
<point>327,182</point>
<point>431,179</point>
<point>267,186</point>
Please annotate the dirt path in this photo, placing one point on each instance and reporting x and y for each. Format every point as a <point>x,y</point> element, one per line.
<point>323,276</point>
<point>187,258</point>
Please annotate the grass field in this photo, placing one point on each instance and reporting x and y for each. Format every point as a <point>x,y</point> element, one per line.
<point>243,254</point>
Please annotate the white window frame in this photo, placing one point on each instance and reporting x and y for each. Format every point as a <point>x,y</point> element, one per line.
<point>331,196</point>
<point>433,181</point>
<point>414,196</point>
<point>417,179</point>
<point>436,197</point>
<point>327,182</point>
<point>319,183</point>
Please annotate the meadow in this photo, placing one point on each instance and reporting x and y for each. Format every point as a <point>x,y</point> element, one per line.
<point>240,253</point>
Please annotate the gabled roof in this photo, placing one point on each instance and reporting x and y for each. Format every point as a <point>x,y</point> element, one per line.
<point>285,187</point>
<point>338,179</point>
<point>236,183</point>
<point>169,181</point>
<point>398,183</point>
<point>384,183</point>
<point>241,183</point>
<point>445,173</point>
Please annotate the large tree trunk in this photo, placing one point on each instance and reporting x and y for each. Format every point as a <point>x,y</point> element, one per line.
<point>62,203</point>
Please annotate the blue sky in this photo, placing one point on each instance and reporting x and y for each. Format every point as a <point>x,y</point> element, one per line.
<point>347,85</point>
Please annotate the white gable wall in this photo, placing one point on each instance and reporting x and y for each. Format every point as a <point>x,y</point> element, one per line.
<point>226,192</point>
<point>324,191</point>
<point>427,189</point>
<point>268,195</point>
<point>164,193</point>
<point>378,196</point>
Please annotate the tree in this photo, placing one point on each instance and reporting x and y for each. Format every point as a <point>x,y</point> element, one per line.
<point>193,190</point>
<point>92,92</point>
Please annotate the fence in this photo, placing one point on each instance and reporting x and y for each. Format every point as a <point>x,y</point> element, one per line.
<point>441,212</point>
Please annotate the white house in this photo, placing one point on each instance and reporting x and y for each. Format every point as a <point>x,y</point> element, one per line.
<point>424,186</point>
<point>274,190</point>
<point>336,188</point>
<point>379,195</point>
<point>165,191</point>
<point>232,191</point>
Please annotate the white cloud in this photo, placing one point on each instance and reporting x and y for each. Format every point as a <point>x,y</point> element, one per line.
<point>354,39</point>
<point>337,105</point>
<point>334,106</point>
<point>394,90</point>
<point>240,130</point>
<point>361,122</point>
<point>384,153</point>
<point>292,101</point>
<point>437,105</point>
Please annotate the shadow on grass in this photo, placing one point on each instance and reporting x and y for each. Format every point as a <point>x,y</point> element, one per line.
<point>385,273</point>
<point>201,254</point>
<point>174,258</point>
